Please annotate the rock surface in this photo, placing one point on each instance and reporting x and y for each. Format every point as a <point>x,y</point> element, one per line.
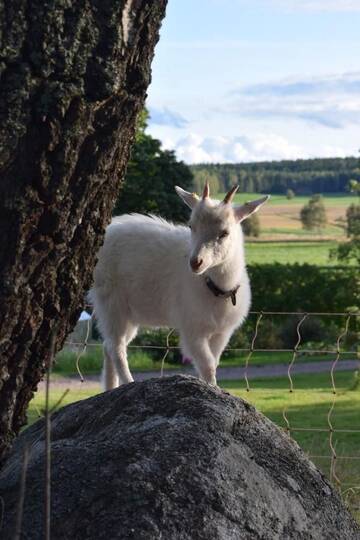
<point>170,458</point>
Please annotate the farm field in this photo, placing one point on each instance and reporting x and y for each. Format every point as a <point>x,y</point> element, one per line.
<point>279,217</point>
<point>307,407</point>
<point>282,237</point>
<point>330,199</point>
<point>290,252</point>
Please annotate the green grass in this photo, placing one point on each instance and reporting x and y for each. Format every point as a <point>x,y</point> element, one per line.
<point>37,404</point>
<point>91,362</point>
<point>289,252</point>
<point>308,404</point>
<point>265,358</point>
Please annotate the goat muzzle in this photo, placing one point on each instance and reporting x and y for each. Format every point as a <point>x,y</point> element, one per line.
<point>195,264</point>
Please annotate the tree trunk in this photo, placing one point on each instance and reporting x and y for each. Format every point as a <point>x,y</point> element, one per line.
<point>73,77</point>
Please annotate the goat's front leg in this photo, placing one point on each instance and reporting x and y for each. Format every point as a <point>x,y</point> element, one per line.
<point>218,343</point>
<point>198,349</point>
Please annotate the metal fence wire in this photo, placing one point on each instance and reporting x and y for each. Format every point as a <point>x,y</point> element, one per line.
<point>350,490</point>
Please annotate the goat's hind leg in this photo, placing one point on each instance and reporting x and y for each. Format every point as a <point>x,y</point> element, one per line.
<point>117,330</point>
<point>116,349</point>
<point>109,377</point>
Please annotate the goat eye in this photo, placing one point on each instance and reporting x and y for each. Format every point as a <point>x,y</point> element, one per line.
<point>223,234</point>
<point>189,226</point>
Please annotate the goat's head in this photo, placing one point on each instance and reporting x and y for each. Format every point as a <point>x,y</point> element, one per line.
<point>215,231</point>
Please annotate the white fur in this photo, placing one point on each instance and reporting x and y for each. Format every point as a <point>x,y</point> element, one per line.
<point>143,278</point>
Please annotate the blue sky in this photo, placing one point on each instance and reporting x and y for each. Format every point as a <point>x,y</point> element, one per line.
<point>250,80</point>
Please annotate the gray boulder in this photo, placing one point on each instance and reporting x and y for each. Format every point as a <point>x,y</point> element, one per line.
<point>170,458</point>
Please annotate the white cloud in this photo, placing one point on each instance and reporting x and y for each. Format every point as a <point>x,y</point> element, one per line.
<point>189,149</point>
<point>195,148</point>
<point>332,101</point>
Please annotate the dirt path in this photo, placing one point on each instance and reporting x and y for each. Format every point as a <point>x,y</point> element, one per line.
<point>223,373</point>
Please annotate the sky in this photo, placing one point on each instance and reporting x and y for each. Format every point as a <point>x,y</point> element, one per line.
<point>255,80</point>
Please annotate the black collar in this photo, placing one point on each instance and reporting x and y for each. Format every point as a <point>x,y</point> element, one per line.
<point>219,292</point>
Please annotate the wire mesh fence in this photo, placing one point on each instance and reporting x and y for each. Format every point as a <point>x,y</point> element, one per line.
<point>336,354</point>
<point>342,465</point>
<point>340,462</point>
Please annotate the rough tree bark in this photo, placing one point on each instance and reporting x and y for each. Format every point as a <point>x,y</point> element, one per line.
<point>73,76</point>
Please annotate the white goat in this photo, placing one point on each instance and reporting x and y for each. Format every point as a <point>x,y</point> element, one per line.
<point>153,273</point>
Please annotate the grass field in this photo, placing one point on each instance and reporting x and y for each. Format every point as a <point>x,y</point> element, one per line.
<point>91,362</point>
<point>307,407</point>
<point>280,217</point>
<point>290,252</point>
<point>283,239</point>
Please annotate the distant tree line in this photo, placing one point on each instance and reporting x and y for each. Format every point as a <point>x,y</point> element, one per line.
<point>302,177</point>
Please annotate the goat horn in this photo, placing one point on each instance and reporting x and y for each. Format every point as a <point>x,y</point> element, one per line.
<point>230,195</point>
<point>206,191</point>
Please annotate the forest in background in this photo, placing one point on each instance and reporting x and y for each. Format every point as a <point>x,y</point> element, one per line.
<point>303,176</point>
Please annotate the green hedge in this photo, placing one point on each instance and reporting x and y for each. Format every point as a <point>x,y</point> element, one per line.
<point>301,288</point>
<point>304,287</point>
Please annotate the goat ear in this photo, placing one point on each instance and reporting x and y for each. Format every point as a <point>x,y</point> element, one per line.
<point>189,198</point>
<point>206,192</point>
<point>244,211</point>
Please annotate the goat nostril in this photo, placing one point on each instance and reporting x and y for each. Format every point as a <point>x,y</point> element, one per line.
<point>196,263</point>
